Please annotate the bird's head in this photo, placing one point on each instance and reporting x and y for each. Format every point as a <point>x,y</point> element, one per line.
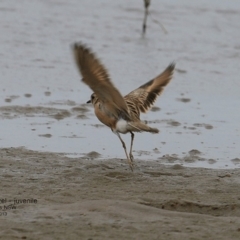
<point>93,99</point>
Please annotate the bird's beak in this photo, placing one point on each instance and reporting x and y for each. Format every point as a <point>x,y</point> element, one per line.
<point>88,101</point>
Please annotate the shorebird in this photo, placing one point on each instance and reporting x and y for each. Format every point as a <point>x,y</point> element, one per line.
<point>121,114</point>
<point>144,28</point>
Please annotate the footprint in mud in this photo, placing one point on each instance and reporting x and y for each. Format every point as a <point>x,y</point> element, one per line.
<point>184,100</point>
<point>192,207</point>
<point>10,98</point>
<point>194,152</point>
<point>206,126</point>
<point>118,175</point>
<point>156,150</point>
<point>47,93</point>
<point>80,109</point>
<point>28,95</point>
<point>157,174</point>
<point>81,116</point>
<point>236,160</point>
<point>61,115</point>
<point>173,123</point>
<point>155,109</point>
<point>195,127</point>
<point>180,70</point>
<point>193,156</point>
<point>71,136</point>
<point>93,154</point>
<point>169,158</point>
<point>45,135</point>
<point>211,161</point>
<point>140,153</point>
<point>98,125</point>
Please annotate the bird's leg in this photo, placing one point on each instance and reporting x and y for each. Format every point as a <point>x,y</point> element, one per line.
<point>125,149</point>
<point>130,153</point>
<point>146,4</point>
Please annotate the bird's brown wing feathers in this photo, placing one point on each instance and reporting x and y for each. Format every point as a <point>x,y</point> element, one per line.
<point>96,77</point>
<point>142,98</point>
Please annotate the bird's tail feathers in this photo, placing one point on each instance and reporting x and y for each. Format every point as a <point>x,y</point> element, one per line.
<point>141,127</point>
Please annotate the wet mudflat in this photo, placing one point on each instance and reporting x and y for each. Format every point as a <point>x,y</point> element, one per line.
<point>102,199</point>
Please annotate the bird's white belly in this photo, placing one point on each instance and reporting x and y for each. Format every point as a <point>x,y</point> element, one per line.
<point>122,126</point>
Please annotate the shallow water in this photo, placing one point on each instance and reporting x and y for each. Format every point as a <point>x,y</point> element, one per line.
<point>199,109</point>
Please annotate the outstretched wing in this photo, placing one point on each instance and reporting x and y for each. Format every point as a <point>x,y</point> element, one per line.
<point>142,98</point>
<point>96,77</point>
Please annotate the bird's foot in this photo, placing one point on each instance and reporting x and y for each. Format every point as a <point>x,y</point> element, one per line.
<point>131,157</point>
<point>130,162</point>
